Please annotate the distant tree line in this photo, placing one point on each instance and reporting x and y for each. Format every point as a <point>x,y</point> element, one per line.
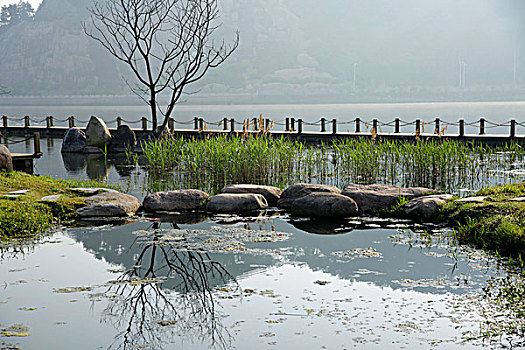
<point>16,13</point>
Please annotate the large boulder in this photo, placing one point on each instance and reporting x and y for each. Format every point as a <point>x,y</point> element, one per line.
<point>109,204</point>
<point>379,196</point>
<point>6,161</point>
<point>175,200</point>
<point>324,205</point>
<point>272,194</point>
<point>74,141</point>
<point>97,133</point>
<point>301,190</point>
<point>236,203</point>
<point>424,208</point>
<point>123,140</point>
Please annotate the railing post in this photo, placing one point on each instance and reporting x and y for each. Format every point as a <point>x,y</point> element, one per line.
<point>287,124</point>
<point>418,127</point>
<point>323,125</point>
<point>171,124</point>
<point>26,121</point>
<point>254,123</point>
<point>357,125</point>
<point>36,142</point>
<point>196,123</point>
<point>461,128</point>
<point>71,121</point>
<point>119,122</point>
<point>144,124</point>
<point>438,127</point>
<point>4,120</point>
<point>51,121</point>
<point>512,129</point>
<point>225,124</point>
<point>374,126</point>
<point>334,126</point>
<point>232,125</point>
<point>397,123</point>
<point>201,124</point>
<point>267,124</point>
<point>482,126</point>
<point>300,126</point>
<point>292,124</point>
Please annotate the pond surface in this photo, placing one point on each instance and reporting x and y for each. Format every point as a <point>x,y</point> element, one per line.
<point>260,281</point>
<point>271,281</point>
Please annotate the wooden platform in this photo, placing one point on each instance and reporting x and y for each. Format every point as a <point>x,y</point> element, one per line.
<point>24,161</point>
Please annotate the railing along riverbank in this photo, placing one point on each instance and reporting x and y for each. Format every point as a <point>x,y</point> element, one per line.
<point>323,130</point>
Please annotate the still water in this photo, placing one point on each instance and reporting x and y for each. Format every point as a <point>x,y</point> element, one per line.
<point>228,282</point>
<point>495,112</point>
<point>264,281</point>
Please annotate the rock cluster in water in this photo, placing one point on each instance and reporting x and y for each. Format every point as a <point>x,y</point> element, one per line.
<point>97,139</point>
<point>306,200</point>
<point>301,200</point>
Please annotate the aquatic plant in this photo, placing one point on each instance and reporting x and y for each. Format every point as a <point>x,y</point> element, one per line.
<point>212,162</point>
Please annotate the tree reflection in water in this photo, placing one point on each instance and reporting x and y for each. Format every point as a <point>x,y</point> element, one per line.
<point>168,293</point>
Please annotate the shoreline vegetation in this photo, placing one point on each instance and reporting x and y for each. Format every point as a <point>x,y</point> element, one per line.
<point>210,164</point>
<point>496,222</point>
<point>24,210</point>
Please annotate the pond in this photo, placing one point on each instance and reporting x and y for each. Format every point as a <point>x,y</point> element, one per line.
<point>221,282</point>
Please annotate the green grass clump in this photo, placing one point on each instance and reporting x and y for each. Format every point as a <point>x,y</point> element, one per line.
<point>26,215</point>
<point>497,225</point>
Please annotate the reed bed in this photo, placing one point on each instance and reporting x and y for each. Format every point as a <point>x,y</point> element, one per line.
<point>211,163</point>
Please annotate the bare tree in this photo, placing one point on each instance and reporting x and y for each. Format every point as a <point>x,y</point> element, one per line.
<point>167,44</point>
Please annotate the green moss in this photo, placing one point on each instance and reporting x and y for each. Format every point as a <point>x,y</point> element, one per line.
<point>497,225</point>
<point>26,216</point>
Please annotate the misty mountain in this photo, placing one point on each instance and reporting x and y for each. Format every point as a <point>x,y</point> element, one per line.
<point>294,47</point>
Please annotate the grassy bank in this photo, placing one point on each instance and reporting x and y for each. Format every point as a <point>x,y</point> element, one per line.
<point>27,215</point>
<point>497,224</point>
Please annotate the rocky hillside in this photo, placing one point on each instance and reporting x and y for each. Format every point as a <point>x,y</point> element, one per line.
<point>293,47</point>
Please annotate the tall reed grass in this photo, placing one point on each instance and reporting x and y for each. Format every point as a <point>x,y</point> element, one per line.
<point>211,163</point>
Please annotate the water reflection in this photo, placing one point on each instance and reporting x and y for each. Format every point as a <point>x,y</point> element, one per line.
<point>167,292</point>
<point>74,162</point>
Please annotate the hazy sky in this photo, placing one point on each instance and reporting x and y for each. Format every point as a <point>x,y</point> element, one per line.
<point>35,3</point>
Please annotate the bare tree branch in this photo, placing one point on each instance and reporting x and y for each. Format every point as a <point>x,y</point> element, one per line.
<point>167,44</point>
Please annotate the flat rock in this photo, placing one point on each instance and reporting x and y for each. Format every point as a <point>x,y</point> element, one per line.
<point>89,190</point>
<point>109,204</point>
<point>474,199</point>
<point>52,198</point>
<point>324,205</point>
<point>19,192</point>
<point>181,200</point>
<point>11,196</point>
<point>74,141</point>
<point>379,196</point>
<point>423,208</point>
<point>294,192</point>
<point>236,202</point>
<point>518,199</point>
<point>272,194</point>
<point>97,133</point>
<point>6,161</point>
